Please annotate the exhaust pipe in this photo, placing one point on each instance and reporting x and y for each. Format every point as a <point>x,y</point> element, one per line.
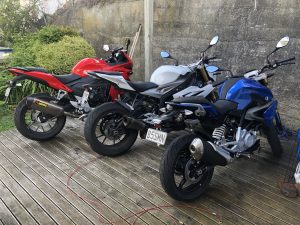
<point>45,107</point>
<point>133,124</point>
<point>209,153</point>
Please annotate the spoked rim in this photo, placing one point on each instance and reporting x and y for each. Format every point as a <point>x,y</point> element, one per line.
<point>39,122</point>
<point>110,129</point>
<point>188,174</point>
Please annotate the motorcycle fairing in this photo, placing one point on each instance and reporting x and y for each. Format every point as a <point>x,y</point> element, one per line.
<point>117,79</point>
<point>41,77</point>
<point>244,92</point>
<point>270,113</point>
<point>168,74</point>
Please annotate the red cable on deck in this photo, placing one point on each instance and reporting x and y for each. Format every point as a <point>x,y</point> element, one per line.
<point>137,214</point>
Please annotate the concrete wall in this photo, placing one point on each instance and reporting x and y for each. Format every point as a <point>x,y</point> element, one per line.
<point>248,30</point>
<point>107,22</point>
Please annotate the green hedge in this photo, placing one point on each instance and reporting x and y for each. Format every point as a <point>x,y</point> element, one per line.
<point>55,48</point>
<point>61,56</point>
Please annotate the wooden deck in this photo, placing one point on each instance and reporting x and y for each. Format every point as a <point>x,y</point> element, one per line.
<point>34,186</point>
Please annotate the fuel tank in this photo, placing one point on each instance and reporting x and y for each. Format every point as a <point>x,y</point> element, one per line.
<point>168,73</point>
<point>245,92</point>
<point>93,64</point>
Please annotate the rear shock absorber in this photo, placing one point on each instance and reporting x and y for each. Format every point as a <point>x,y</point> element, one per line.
<point>219,132</point>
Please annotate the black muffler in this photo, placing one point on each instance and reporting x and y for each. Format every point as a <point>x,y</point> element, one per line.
<point>45,107</point>
<point>209,153</point>
<point>133,124</point>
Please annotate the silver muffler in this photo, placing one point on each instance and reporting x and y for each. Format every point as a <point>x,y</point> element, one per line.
<point>47,107</point>
<point>209,153</point>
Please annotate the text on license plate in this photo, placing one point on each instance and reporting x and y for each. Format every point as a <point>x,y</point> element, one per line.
<point>156,136</point>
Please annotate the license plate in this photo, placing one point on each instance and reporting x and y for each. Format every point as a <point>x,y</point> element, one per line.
<point>7,92</point>
<point>156,136</point>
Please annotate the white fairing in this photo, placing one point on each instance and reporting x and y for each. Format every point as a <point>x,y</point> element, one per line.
<point>118,80</point>
<point>167,74</point>
<point>195,91</point>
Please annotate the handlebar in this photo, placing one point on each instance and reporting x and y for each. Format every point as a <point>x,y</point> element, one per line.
<point>117,49</point>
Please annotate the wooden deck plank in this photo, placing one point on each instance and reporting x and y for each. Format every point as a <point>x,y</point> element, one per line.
<point>244,192</point>
<point>108,178</point>
<point>119,158</point>
<point>59,182</point>
<point>228,172</point>
<point>27,209</point>
<point>10,162</point>
<point>6,216</point>
<point>111,186</point>
<point>153,166</point>
<point>114,203</point>
<point>101,183</point>
<point>57,202</point>
<point>139,200</point>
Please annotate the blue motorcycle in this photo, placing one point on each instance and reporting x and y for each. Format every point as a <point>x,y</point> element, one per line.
<point>224,130</point>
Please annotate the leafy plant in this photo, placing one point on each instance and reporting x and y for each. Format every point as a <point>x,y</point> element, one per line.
<point>6,116</point>
<point>60,57</point>
<point>51,34</point>
<point>55,48</point>
<point>17,19</point>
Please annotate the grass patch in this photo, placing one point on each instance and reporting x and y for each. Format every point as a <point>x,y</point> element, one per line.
<point>6,116</point>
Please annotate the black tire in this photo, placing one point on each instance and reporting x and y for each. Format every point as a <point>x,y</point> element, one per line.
<point>23,128</point>
<point>273,139</point>
<point>167,171</point>
<point>93,119</point>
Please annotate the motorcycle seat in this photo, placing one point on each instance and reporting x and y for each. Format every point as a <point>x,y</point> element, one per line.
<point>31,69</point>
<point>142,86</point>
<point>222,106</point>
<point>67,78</point>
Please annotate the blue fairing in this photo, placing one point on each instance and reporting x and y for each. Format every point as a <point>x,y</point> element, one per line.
<point>243,91</point>
<point>270,113</point>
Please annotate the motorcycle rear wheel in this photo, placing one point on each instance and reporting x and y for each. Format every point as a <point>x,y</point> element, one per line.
<point>174,165</point>
<point>104,127</point>
<point>32,124</point>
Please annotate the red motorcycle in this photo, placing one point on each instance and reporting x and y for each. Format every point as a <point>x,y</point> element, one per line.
<point>42,116</point>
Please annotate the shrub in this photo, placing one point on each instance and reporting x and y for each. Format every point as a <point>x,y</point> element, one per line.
<point>57,49</point>
<point>52,34</point>
<point>60,57</point>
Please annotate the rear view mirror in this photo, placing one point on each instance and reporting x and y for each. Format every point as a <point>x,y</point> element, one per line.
<point>214,41</point>
<point>106,48</point>
<point>283,42</point>
<point>165,55</point>
<point>212,69</point>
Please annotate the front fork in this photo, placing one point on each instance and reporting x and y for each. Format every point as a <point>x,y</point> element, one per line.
<point>282,131</point>
<point>278,121</point>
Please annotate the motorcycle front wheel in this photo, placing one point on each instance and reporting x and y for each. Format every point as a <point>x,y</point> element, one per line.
<point>182,177</point>
<point>37,125</point>
<point>105,132</point>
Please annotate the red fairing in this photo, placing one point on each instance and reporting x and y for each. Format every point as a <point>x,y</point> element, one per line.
<point>46,77</point>
<point>81,69</point>
<point>92,64</point>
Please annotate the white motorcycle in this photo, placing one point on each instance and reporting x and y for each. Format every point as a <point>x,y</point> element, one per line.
<point>113,128</point>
